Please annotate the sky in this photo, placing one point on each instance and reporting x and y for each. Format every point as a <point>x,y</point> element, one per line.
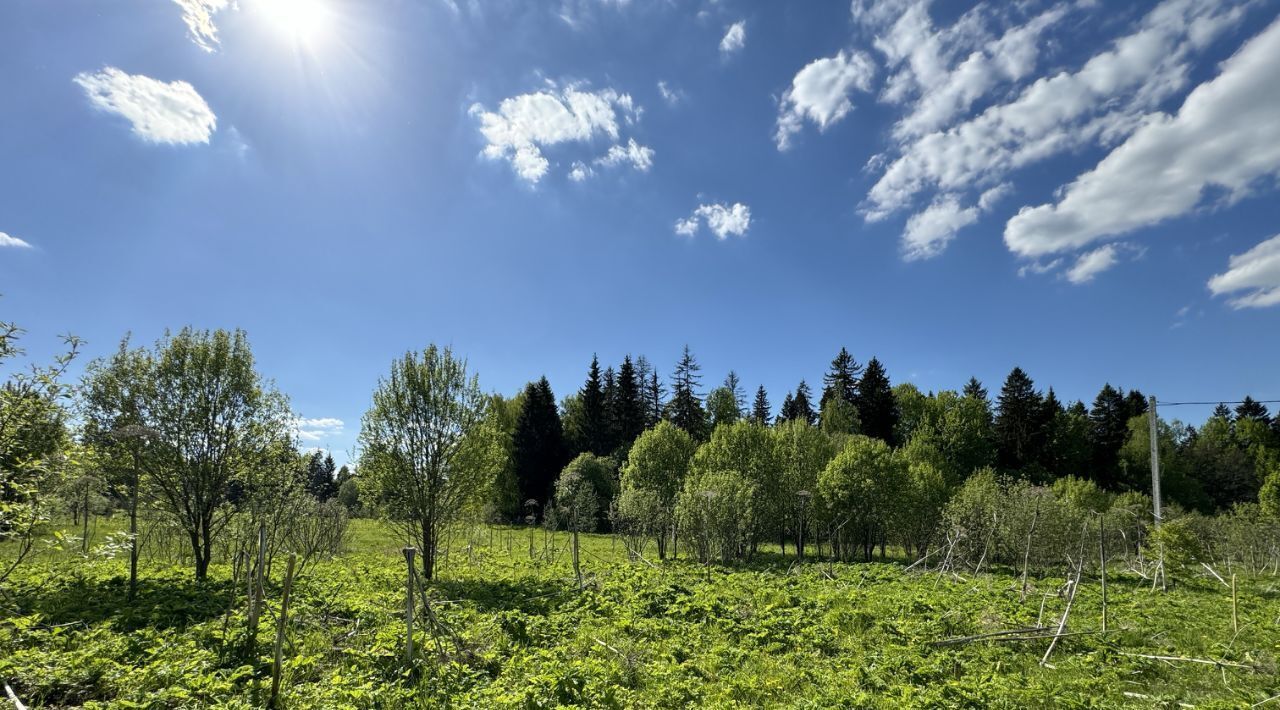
<point>1086,190</point>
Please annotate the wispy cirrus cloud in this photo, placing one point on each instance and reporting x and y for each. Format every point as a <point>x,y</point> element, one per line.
<point>11,241</point>
<point>160,112</point>
<point>318,429</point>
<point>198,16</point>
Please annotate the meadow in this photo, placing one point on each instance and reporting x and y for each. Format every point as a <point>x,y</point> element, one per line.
<point>514,630</point>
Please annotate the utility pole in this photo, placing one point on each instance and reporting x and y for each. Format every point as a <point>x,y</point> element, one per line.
<point>1153,418</point>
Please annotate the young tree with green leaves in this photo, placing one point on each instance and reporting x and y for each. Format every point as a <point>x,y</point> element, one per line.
<point>216,421</point>
<point>721,407</point>
<point>748,449</point>
<point>426,446</point>
<point>578,501</point>
<point>652,478</point>
<point>803,451</point>
<point>864,487</point>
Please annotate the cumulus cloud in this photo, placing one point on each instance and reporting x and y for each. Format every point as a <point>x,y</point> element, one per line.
<point>929,231</point>
<point>1103,101</point>
<point>1091,264</point>
<point>735,38</point>
<point>638,156</point>
<point>9,241</point>
<point>1225,136</point>
<point>317,429</point>
<point>723,220</point>
<point>198,14</point>
<point>1256,271</point>
<point>161,112</point>
<point>820,93</point>
<point>523,126</point>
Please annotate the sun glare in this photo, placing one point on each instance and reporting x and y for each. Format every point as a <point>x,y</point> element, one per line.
<point>303,21</point>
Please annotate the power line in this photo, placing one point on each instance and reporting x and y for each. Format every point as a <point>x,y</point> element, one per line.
<point>1221,401</point>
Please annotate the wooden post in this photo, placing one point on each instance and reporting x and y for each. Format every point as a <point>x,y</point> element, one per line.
<point>1235,617</point>
<point>409,553</point>
<point>255,589</point>
<point>1102,568</point>
<point>277,664</point>
<point>1153,420</point>
<point>577,570</point>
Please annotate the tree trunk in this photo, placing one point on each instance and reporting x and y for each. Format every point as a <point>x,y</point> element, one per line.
<point>428,553</point>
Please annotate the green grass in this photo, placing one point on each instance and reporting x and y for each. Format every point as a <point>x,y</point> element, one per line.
<point>771,634</point>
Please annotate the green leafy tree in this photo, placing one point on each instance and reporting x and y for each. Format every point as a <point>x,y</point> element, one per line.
<point>864,487</point>
<point>652,478</point>
<point>915,409</point>
<point>578,502</point>
<point>427,446</point>
<point>839,417</point>
<point>747,449</point>
<point>722,408</point>
<point>717,509</point>
<point>216,422</point>
<point>601,475</point>
<point>803,451</point>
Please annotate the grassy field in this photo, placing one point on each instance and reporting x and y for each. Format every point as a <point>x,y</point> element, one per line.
<point>517,632</point>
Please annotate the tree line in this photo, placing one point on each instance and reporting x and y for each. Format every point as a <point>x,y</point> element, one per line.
<point>190,432</point>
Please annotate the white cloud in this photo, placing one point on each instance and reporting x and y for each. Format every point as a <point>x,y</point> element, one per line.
<point>943,72</point>
<point>723,220</point>
<point>524,125</point>
<point>1091,264</point>
<point>989,198</point>
<point>1102,101</point>
<point>1037,267</point>
<point>9,241</point>
<point>1256,271</point>
<point>820,93</point>
<point>670,94</point>
<point>735,38</point>
<point>580,171</point>
<point>1225,136</point>
<point>928,232</point>
<point>198,14</point>
<point>638,156</point>
<point>317,429</point>
<point>161,112</point>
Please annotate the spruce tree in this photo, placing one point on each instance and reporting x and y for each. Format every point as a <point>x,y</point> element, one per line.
<point>609,387</point>
<point>1019,437</point>
<point>802,408</point>
<point>877,409</point>
<point>538,448</point>
<point>842,379</point>
<point>734,385</point>
<point>1108,429</point>
<point>654,399</point>
<point>1250,408</point>
<point>1223,412</point>
<point>760,410</point>
<point>685,408</point>
<point>320,476</point>
<point>973,388</point>
<point>588,430</point>
<point>1135,404</point>
<point>628,407</point>
<point>788,410</point>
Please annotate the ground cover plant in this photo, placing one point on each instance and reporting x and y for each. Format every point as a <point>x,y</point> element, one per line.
<point>516,630</point>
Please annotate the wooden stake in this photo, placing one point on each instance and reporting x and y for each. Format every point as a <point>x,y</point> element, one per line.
<point>409,553</point>
<point>280,626</point>
<point>1062,623</point>
<point>1235,617</point>
<point>1102,568</point>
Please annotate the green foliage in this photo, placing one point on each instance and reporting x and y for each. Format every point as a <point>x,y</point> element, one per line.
<point>747,450</point>
<point>590,483</point>
<point>864,489</point>
<point>718,509</point>
<point>657,464</point>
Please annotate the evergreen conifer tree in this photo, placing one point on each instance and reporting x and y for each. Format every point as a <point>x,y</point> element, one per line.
<point>1017,424</point>
<point>685,408</point>
<point>1108,429</point>
<point>842,379</point>
<point>877,409</point>
<point>760,410</point>
<point>538,448</point>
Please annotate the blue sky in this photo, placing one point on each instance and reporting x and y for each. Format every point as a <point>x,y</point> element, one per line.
<point>1087,191</point>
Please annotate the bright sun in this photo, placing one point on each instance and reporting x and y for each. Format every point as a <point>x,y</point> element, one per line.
<point>303,21</point>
